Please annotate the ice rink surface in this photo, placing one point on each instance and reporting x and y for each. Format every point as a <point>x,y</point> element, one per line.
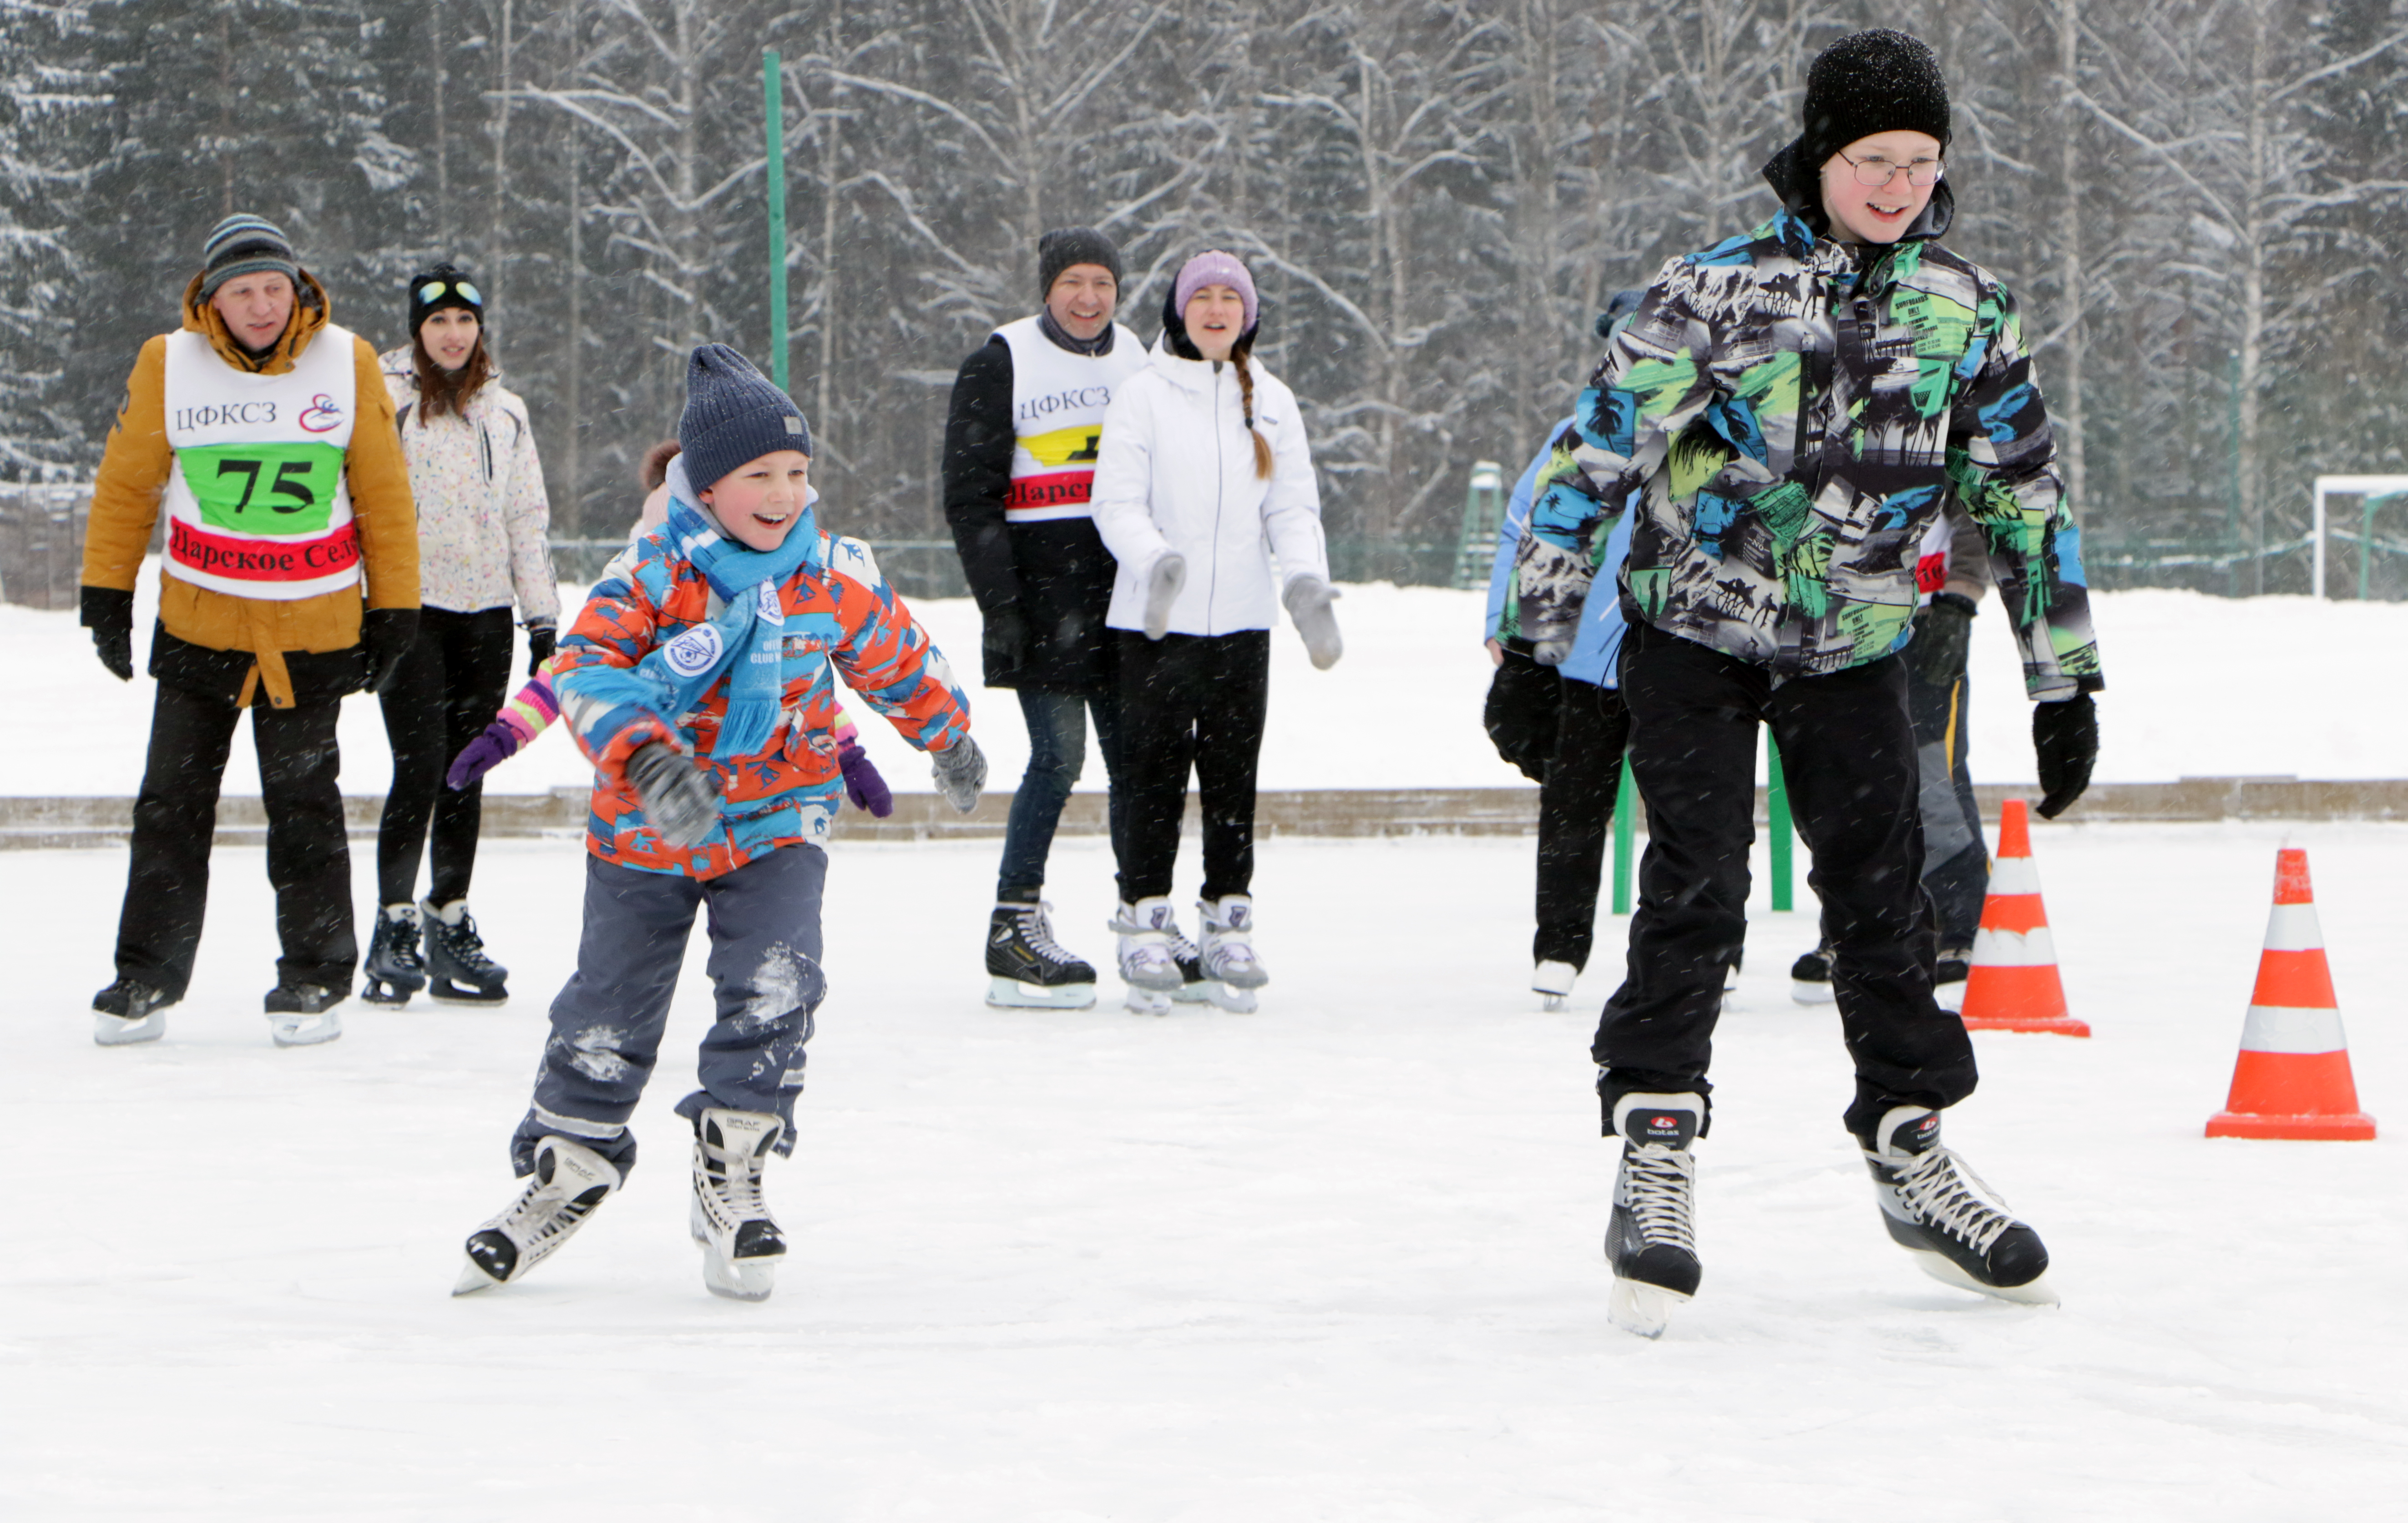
<point>1336,1260</point>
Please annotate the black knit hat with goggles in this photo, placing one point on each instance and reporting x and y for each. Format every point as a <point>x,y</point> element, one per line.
<point>445,285</point>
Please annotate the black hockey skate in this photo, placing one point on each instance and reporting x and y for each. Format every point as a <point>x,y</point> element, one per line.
<point>570,1182</point>
<point>455,955</point>
<point>1652,1240</point>
<point>1026,968</point>
<point>1810,978</point>
<point>394,971</point>
<point>129,1011</point>
<point>303,1014</point>
<point>1939,1210</point>
<point>741,1246</point>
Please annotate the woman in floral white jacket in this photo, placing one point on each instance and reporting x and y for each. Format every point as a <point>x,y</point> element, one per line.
<point>482,522</point>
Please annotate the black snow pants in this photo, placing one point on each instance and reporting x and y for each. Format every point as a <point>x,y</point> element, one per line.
<point>1190,700</point>
<point>1848,755</point>
<point>448,691</point>
<point>1575,813</point>
<point>1956,865</point>
<point>175,823</point>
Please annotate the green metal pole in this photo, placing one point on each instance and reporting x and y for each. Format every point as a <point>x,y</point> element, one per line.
<point>1626,796</point>
<point>1777,807</point>
<point>772,94</point>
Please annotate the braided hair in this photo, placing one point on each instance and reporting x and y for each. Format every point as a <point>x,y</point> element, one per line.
<point>1174,331</point>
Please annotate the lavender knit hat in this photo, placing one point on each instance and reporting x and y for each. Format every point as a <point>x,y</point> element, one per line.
<point>1215,267</point>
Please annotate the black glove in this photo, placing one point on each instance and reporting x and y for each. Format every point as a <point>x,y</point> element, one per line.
<point>109,615</point>
<point>1005,644</point>
<point>680,802</point>
<point>389,634</point>
<point>1523,710</point>
<point>1942,629</point>
<point>542,636</point>
<point>2065,737</point>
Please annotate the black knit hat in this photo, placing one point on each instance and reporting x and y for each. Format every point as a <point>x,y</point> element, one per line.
<point>1063,246</point>
<point>445,285</point>
<point>1868,82</point>
<point>732,415</point>
<point>245,245</point>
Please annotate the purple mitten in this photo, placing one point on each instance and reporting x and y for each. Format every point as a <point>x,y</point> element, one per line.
<point>862,784</point>
<point>497,745</point>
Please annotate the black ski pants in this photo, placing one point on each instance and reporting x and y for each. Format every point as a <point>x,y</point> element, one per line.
<point>1190,700</point>
<point>1575,813</point>
<point>1956,870</point>
<point>175,823</point>
<point>448,691</point>
<point>1848,755</point>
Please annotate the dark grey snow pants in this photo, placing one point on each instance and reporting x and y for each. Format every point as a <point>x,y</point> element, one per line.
<point>764,921</point>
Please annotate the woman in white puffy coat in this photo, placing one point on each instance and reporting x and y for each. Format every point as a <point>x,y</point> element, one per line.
<point>1204,492</point>
<point>482,521</point>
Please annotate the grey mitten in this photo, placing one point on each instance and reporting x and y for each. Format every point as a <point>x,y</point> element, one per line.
<point>961,771</point>
<point>681,801</point>
<point>1162,585</point>
<point>1308,600</point>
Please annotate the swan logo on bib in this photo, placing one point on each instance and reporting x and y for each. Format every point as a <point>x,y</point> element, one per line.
<point>694,652</point>
<point>322,416</point>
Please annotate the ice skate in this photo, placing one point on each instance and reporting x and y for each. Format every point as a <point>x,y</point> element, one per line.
<point>1652,1241</point>
<point>1810,978</point>
<point>1232,973</point>
<point>1193,988</point>
<point>303,1014</point>
<point>1554,981</point>
<point>741,1246</point>
<point>455,956</point>
<point>393,971</point>
<point>1147,965</point>
<point>1955,1226</point>
<point>570,1182</point>
<point>129,1011</point>
<point>1026,968</point>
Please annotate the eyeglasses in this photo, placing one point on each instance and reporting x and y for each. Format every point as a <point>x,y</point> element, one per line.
<point>1877,171</point>
<point>433,291</point>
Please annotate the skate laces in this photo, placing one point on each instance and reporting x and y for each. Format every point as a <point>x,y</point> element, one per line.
<point>1939,1188</point>
<point>1658,1183</point>
<point>1037,930</point>
<point>736,1183</point>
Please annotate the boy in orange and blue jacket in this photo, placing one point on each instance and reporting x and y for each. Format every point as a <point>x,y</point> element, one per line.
<point>697,679</point>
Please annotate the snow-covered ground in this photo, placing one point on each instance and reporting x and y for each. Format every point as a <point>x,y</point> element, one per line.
<point>1338,1260</point>
<point>2197,687</point>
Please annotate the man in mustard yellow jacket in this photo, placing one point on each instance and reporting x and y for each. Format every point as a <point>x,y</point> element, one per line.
<point>291,576</point>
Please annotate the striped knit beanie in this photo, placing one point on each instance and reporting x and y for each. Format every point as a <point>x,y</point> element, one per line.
<point>245,245</point>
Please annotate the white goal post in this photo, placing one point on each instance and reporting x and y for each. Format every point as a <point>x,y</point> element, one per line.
<point>2358,486</point>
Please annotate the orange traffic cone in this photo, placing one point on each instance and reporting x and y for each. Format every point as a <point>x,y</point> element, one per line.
<point>2293,1077</point>
<point>2013,984</point>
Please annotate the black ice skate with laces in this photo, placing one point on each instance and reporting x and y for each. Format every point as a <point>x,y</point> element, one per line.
<point>1026,968</point>
<point>458,970</point>
<point>1939,1209</point>
<point>1652,1240</point>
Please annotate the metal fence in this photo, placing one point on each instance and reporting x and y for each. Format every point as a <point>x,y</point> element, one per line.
<point>41,543</point>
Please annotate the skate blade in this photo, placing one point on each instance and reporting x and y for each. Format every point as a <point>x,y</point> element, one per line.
<point>1230,997</point>
<point>376,991</point>
<point>1636,1307</point>
<point>1146,1002</point>
<point>472,1279</point>
<point>114,1031</point>
<point>739,1279</point>
<point>305,1031</point>
<point>1011,994</point>
<point>1195,993</point>
<point>1806,993</point>
<point>1556,1004</point>
<point>447,993</point>
<point>2033,1292</point>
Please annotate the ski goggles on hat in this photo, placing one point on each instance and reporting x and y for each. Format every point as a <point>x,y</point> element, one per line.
<point>432,292</point>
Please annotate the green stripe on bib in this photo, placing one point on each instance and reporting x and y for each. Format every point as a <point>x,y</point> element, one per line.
<point>263,489</point>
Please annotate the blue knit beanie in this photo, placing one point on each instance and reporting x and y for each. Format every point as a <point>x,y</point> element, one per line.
<point>732,415</point>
